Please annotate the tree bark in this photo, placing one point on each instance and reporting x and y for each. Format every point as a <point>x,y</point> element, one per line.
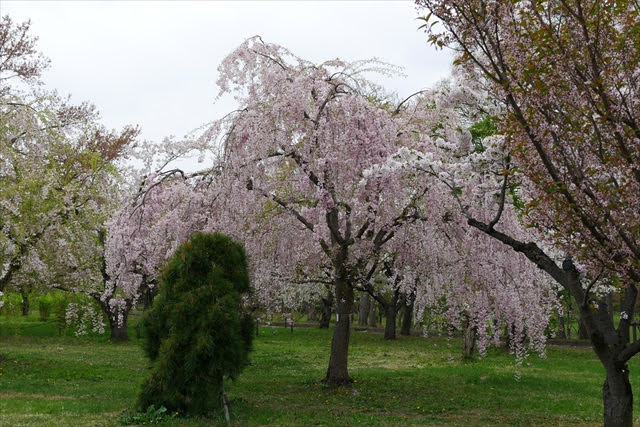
<point>312,313</point>
<point>372,313</point>
<point>468,339</point>
<point>325,311</point>
<point>25,301</point>
<point>582,330</point>
<point>118,332</point>
<point>363,310</point>
<point>509,332</point>
<point>407,318</point>
<point>618,398</point>
<point>337,373</point>
<point>562,332</point>
<point>390,312</point>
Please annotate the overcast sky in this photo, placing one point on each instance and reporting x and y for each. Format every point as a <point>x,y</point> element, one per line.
<point>155,63</point>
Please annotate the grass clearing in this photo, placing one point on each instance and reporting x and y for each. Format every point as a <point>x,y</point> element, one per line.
<point>63,380</point>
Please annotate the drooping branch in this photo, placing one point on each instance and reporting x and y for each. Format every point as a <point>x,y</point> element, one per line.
<point>304,221</point>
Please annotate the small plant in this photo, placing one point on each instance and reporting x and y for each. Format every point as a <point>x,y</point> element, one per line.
<point>152,415</point>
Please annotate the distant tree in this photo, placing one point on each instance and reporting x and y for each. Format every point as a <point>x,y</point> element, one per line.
<point>197,331</point>
<point>141,235</point>
<point>19,58</point>
<point>60,173</point>
<point>58,165</point>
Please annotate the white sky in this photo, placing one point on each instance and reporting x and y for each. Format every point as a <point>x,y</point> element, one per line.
<point>155,63</point>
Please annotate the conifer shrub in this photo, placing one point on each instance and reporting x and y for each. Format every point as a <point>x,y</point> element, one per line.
<point>197,332</point>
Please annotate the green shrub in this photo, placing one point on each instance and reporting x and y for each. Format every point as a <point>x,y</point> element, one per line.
<point>45,304</point>
<point>197,332</point>
<point>60,303</point>
<point>12,304</point>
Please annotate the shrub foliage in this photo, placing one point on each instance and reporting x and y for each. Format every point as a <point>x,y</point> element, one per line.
<point>197,330</point>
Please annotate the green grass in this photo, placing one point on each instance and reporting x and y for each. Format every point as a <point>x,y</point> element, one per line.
<point>47,380</point>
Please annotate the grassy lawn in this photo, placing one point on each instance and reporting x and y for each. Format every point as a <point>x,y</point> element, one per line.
<point>47,380</point>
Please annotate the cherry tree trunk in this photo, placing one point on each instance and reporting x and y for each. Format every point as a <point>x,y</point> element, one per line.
<point>468,339</point>
<point>562,332</point>
<point>391,312</point>
<point>337,373</point>
<point>118,332</point>
<point>325,311</point>
<point>312,314</point>
<point>372,313</point>
<point>25,302</point>
<point>618,398</point>
<point>363,311</point>
<point>407,317</point>
<point>582,331</point>
<point>508,336</point>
